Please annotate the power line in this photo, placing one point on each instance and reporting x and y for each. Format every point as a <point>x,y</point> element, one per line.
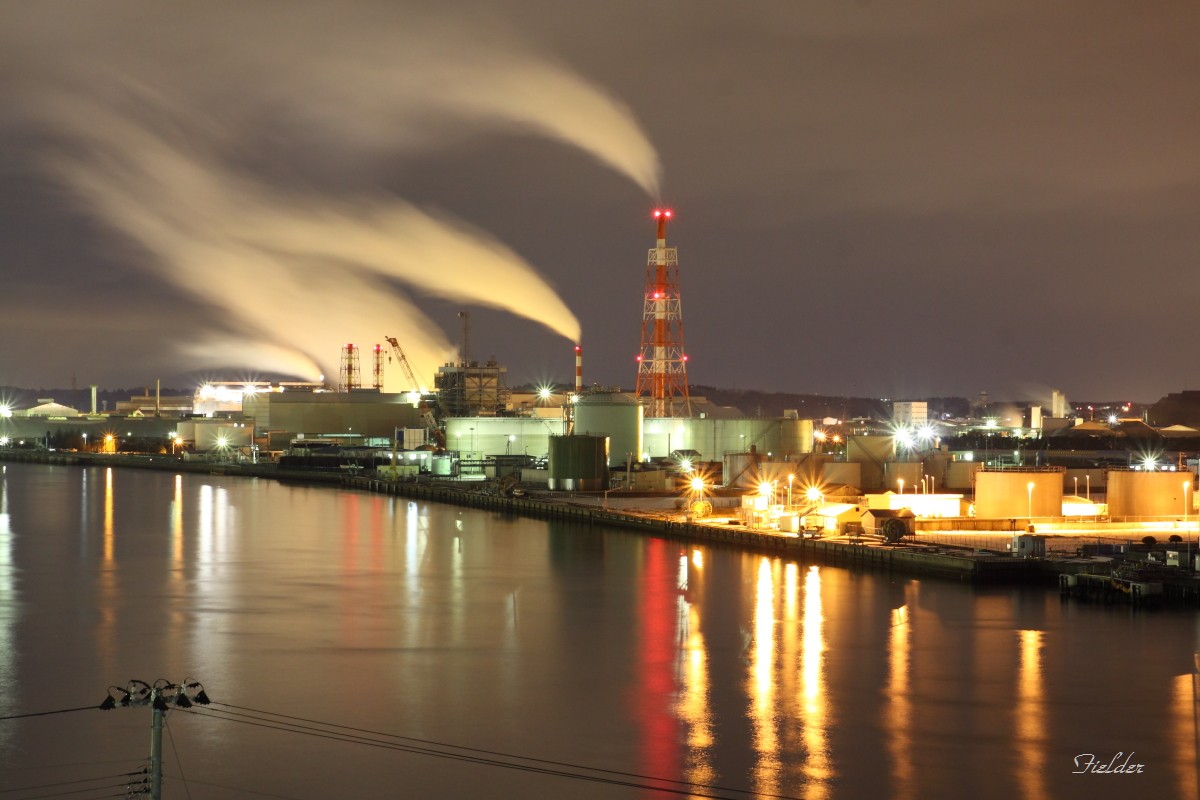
<point>73,764</point>
<point>234,788</point>
<point>70,783</point>
<point>48,713</point>
<point>178,762</point>
<point>563,773</point>
<point>80,791</point>
<point>499,754</point>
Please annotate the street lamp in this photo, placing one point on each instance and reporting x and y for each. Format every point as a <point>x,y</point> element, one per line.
<point>1029,486</point>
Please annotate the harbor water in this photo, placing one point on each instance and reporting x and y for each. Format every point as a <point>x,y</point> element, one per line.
<point>725,672</point>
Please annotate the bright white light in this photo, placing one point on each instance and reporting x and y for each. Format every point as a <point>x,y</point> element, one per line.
<point>685,465</point>
<point>1148,463</point>
<point>4,440</point>
<point>544,392</point>
<point>5,411</point>
<point>991,423</point>
<point>927,433</point>
<point>1112,419</point>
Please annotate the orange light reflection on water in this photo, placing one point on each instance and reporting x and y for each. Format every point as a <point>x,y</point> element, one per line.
<point>899,711</point>
<point>1031,718</point>
<point>762,683</point>
<point>818,766</point>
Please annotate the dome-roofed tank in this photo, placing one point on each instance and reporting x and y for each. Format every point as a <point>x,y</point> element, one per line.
<point>617,416</point>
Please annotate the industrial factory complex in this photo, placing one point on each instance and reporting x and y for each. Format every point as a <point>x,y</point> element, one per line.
<point>994,467</point>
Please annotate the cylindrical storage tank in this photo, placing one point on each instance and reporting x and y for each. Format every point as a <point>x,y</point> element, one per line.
<point>234,436</point>
<point>208,435</point>
<point>910,472</point>
<point>578,463</point>
<point>1134,493</point>
<point>960,476</point>
<point>442,465</point>
<point>795,436</point>
<point>1012,493</point>
<point>843,473</point>
<point>617,416</point>
<point>740,470</point>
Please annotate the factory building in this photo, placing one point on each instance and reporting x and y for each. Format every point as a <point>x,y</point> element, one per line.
<point>480,437</point>
<point>914,414</point>
<point>471,389</point>
<point>366,413</point>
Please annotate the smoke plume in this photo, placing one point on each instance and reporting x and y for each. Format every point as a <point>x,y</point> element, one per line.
<point>190,130</point>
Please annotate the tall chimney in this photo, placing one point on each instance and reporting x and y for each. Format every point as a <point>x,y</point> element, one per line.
<point>578,370</point>
<point>158,397</point>
<point>94,387</point>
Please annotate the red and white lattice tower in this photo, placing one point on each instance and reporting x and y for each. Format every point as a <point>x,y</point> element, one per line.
<point>662,364</point>
<point>377,368</point>
<point>349,378</point>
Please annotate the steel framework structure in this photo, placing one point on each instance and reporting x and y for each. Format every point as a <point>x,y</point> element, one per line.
<point>662,364</point>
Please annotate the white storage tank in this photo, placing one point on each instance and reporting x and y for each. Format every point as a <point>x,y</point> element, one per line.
<point>1024,493</point>
<point>1140,493</point>
<point>617,416</point>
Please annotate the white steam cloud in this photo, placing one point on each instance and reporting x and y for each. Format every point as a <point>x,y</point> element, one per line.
<point>168,160</point>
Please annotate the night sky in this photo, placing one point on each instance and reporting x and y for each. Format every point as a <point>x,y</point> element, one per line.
<point>887,199</point>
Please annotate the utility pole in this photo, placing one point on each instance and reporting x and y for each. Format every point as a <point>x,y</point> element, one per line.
<point>159,696</point>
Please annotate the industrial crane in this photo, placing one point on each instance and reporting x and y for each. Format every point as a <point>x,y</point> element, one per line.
<point>404,365</point>
<point>435,430</point>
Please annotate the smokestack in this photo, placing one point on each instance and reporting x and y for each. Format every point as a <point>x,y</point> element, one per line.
<point>94,387</point>
<point>158,397</point>
<point>578,370</point>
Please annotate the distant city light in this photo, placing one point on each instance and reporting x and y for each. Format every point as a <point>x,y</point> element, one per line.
<point>5,411</point>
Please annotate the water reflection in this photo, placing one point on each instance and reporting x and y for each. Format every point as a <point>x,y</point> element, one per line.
<point>8,606</point>
<point>1031,718</point>
<point>107,583</point>
<point>761,687</point>
<point>693,706</point>
<point>818,766</point>
<point>579,643</point>
<point>898,719</point>
<point>656,686</point>
<point>1187,717</point>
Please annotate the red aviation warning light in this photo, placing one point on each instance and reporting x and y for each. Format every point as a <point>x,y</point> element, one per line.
<point>662,215</point>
